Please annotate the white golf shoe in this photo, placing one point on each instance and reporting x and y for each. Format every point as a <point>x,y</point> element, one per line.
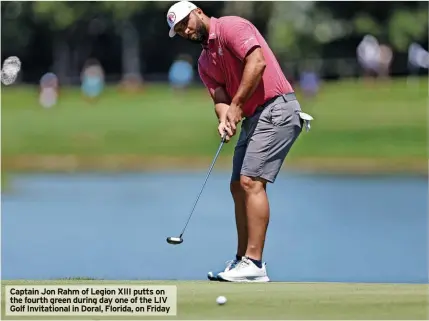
<point>245,271</point>
<point>229,265</point>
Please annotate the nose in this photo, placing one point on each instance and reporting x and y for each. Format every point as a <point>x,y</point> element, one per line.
<point>187,31</point>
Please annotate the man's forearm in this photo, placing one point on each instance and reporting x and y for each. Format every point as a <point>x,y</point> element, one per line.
<point>221,110</point>
<point>222,102</point>
<point>252,76</point>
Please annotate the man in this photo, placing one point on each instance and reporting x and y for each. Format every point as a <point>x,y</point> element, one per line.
<point>246,82</point>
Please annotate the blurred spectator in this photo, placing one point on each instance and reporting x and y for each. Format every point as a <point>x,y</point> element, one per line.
<point>309,83</point>
<point>417,58</point>
<point>92,78</point>
<point>385,60</point>
<point>181,72</point>
<point>375,58</point>
<point>132,82</point>
<point>10,70</point>
<point>48,95</point>
<point>368,53</point>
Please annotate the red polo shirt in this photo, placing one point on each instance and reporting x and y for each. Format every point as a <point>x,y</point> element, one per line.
<point>221,61</point>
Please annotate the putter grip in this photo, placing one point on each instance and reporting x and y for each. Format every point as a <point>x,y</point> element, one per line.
<point>224,136</point>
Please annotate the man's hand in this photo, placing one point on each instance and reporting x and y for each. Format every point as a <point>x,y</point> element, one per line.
<point>233,116</point>
<point>222,128</point>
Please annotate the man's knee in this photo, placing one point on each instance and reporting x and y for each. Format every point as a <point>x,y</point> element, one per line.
<point>250,185</point>
<point>236,189</point>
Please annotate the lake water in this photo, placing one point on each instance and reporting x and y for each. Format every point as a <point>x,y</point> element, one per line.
<point>322,228</point>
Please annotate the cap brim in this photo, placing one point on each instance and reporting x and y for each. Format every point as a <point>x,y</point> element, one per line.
<point>172,33</point>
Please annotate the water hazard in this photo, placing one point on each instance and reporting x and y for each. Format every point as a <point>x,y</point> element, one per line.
<point>322,228</point>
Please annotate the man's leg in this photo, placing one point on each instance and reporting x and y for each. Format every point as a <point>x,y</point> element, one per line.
<point>238,196</point>
<point>278,127</point>
<point>236,187</point>
<point>258,215</point>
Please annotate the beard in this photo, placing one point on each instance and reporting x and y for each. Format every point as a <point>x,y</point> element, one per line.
<point>201,34</point>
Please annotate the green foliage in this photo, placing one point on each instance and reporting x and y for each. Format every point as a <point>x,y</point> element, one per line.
<point>405,26</point>
<point>63,14</point>
<point>59,14</point>
<point>365,24</point>
<point>287,22</point>
<point>122,10</point>
<point>295,29</point>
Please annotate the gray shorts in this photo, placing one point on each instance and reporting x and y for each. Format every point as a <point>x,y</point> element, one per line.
<point>266,138</point>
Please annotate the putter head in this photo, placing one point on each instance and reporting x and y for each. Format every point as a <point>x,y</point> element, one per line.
<point>174,240</point>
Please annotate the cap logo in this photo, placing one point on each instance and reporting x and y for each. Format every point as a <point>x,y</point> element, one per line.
<point>171,17</point>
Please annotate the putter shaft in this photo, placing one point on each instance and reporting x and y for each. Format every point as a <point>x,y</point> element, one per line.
<point>205,181</point>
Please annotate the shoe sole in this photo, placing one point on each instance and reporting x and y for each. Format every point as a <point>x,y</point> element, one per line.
<point>259,279</point>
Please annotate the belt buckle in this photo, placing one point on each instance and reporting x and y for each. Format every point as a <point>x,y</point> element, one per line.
<point>289,95</point>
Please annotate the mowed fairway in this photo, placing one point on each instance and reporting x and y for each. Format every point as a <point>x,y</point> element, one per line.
<point>197,300</point>
<point>356,125</point>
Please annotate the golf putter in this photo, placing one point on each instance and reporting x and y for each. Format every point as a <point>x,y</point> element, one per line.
<point>179,240</point>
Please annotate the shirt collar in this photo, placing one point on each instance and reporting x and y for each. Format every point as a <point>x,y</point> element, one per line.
<point>213,31</point>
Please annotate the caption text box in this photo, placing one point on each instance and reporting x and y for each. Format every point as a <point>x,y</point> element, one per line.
<point>100,300</point>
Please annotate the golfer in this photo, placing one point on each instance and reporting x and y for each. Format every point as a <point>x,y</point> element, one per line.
<point>247,85</point>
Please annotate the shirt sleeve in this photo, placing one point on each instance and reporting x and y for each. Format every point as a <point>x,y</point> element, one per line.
<point>239,35</point>
<point>210,83</point>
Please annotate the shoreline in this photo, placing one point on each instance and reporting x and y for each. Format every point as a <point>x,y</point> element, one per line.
<point>127,163</point>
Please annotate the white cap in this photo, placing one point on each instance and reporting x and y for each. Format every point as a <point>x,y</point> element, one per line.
<point>177,13</point>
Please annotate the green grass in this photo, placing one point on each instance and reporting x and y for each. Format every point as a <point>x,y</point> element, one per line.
<point>196,300</point>
<point>352,119</point>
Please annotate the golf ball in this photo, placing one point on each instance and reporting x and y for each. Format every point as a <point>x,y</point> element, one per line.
<point>221,300</point>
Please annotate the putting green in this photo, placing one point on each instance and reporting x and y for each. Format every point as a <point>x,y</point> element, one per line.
<point>197,300</point>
